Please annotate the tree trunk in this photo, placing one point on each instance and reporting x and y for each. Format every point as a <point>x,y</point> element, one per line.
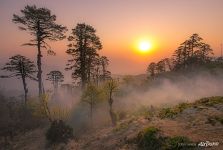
<point>39,55</point>
<point>112,114</point>
<point>25,89</point>
<point>91,113</point>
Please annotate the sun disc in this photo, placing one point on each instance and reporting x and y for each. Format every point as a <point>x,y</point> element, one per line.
<point>144,46</point>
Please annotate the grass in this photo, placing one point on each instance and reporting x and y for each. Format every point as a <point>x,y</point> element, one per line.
<point>151,139</point>
<point>121,126</point>
<point>175,143</point>
<point>207,102</point>
<point>167,113</point>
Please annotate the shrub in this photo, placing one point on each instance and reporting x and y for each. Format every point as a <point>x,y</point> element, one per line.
<point>59,132</point>
<point>174,143</point>
<point>181,107</point>
<point>167,113</point>
<point>148,139</point>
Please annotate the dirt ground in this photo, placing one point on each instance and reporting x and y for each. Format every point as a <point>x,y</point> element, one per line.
<point>192,123</point>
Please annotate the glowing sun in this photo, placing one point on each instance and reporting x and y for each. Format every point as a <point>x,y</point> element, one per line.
<point>144,46</point>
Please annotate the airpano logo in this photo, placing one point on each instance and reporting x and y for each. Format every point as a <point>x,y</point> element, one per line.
<point>208,144</point>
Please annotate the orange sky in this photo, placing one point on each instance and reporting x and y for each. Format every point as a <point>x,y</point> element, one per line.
<point>119,24</point>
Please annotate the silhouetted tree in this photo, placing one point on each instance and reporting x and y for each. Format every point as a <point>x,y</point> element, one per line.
<point>194,42</point>
<point>83,47</point>
<point>181,56</point>
<point>96,71</point>
<point>191,52</point>
<point>100,72</point>
<point>111,87</point>
<point>151,69</point>
<point>160,66</point>
<point>168,64</point>
<point>204,52</point>
<point>21,67</point>
<point>40,23</point>
<point>55,77</point>
<point>104,64</point>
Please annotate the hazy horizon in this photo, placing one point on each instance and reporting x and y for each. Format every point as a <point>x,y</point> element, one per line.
<point>120,26</point>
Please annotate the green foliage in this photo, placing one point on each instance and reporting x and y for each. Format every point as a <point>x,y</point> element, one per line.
<point>36,107</point>
<point>148,139</point>
<point>92,94</point>
<point>167,113</point>
<point>151,139</point>
<point>59,132</point>
<point>210,101</point>
<point>123,125</point>
<point>182,106</point>
<point>120,127</point>
<point>110,87</point>
<point>173,143</point>
<point>171,112</point>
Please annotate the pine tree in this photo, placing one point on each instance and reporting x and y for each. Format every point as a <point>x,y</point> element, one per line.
<point>40,23</point>
<point>83,47</point>
<point>21,67</point>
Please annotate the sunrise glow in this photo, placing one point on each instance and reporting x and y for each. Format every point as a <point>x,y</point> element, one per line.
<point>145,46</point>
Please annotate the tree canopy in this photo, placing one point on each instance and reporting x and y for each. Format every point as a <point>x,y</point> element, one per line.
<point>83,47</point>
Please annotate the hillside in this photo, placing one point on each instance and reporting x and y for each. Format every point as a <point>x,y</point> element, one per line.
<point>187,123</point>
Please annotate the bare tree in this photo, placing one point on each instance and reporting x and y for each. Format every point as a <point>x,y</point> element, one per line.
<point>111,87</point>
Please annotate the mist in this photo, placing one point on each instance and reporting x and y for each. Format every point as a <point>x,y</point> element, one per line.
<point>173,89</point>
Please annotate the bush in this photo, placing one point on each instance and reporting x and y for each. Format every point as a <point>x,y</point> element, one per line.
<point>181,107</point>
<point>167,113</point>
<point>59,132</point>
<point>148,139</point>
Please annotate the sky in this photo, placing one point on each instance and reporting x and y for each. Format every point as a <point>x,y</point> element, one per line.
<point>120,24</point>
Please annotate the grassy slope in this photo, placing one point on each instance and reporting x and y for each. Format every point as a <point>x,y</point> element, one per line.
<point>199,121</point>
